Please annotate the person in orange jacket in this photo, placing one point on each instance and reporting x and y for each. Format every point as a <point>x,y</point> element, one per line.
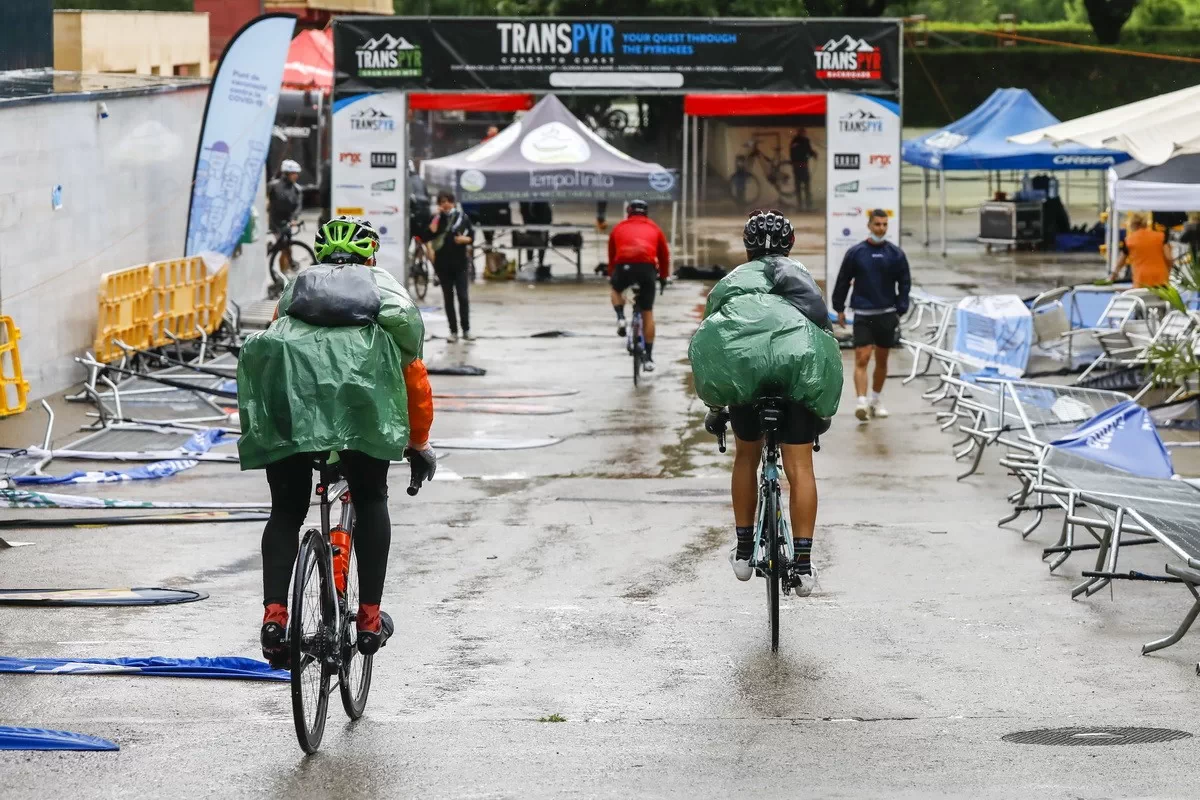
<point>638,255</point>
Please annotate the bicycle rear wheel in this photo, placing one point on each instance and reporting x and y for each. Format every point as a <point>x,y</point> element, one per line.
<point>420,279</point>
<point>354,673</point>
<point>310,635</point>
<point>773,571</point>
<point>744,188</point>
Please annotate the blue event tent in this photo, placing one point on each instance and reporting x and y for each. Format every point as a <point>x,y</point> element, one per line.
<point>979,141</point>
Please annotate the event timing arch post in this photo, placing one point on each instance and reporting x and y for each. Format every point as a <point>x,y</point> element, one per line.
<point>853,65</point>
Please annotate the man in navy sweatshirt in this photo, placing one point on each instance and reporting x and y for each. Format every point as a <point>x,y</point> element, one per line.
<point>878,270</point>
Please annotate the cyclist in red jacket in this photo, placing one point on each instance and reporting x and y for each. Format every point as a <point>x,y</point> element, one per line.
<point>638,255</point>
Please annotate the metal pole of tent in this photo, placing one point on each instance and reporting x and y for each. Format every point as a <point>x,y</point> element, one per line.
<point>925,203</point>
<point>942,187</point>
<point>674,225</point>
<point>704,168</point>
<point>695,249</point>
<point>683,204</point>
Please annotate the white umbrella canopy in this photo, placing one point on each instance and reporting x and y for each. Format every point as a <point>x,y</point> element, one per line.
<point>1153,130</point>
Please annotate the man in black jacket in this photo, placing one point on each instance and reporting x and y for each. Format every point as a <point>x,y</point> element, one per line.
<point>879,272</point>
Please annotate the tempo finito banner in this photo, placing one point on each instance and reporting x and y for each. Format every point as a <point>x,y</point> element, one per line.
<point>236,133</point>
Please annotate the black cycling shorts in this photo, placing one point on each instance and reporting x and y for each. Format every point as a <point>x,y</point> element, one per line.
<point>878,330</point>
<point>799,425</point>
<point>644,276</point>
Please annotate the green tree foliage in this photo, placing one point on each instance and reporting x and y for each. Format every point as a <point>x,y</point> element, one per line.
<point>645,8</point>
<point>125,5</point>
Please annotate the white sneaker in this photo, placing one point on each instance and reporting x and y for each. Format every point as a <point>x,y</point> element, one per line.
<point>808,582</point>
<point>741,569</point>
<point>452,338</point>
<point>877,410</point>
<point>648,365</point>
<point>862,411</point>
<point>470,337</point>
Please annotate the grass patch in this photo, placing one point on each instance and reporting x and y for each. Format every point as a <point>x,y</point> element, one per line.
<point>553,718</point>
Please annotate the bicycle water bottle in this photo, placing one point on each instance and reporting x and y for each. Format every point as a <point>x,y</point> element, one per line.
<point>340,538</point>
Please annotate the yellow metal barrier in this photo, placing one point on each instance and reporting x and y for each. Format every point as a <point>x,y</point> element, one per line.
<point>13,387</point>
<point>147,305</point>
<point>126,311</point>
<point>212,310</point>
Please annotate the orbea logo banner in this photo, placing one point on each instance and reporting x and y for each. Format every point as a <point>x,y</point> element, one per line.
<point>236,134</point>
<point>863,139</point>
<point>369,168</point>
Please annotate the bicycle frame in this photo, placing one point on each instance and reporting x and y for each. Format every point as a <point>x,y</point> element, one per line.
<point>769,486</point>
<point>328,494</point>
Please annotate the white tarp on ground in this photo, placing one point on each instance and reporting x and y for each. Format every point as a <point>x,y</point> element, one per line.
<point>1152,130</point>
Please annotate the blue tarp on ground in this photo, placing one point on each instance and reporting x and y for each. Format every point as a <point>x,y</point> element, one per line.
<point>1124,437</point>
<point>159,469</point>
<point>979,141</point>
<point>39,739</point>
<point>219,667</point>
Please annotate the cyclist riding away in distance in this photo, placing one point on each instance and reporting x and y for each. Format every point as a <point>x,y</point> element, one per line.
<point>638,255</point>
<point>338,371</point>
<point>769,334</point>
<point>284,201</point>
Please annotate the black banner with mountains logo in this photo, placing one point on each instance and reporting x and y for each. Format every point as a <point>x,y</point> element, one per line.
<point>629,56</point>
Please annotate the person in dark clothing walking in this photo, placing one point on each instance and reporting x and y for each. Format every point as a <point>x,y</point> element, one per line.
<point>879,271</point>
<point>801,151</point>
<point>453,235</point>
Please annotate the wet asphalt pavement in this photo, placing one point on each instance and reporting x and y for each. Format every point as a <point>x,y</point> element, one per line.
<point>589,580</point>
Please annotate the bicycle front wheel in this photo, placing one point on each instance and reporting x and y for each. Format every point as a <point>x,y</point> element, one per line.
<point>354,673</point>
<point>420,279</point>
<point>744,188</point>
<point>774,567</point>
<point>311,635</point>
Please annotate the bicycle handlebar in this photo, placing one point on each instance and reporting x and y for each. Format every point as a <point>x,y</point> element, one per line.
<point>721,441</point>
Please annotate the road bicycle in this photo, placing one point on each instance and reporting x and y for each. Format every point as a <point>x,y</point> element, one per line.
<point>635,339</point>
<point>744,185</point>
<point>292,255</point>
<point>419,267</point>
<point>635,342</point>
<point>773,549</point>
<point>322,626</point>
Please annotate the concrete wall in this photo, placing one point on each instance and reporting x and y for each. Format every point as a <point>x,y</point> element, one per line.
<point>143,42</point>
<point>125,189</point>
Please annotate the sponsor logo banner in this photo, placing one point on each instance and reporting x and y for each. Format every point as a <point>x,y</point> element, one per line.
<point>367,142</point>
<point>647,54</point>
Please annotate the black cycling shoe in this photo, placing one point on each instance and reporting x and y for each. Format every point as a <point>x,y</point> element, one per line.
<point>621,329</point>
<point>275,645</point>
<point>369,642</point>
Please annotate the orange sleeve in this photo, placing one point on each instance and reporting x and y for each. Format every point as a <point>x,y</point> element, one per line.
<point>420,401</point>
<point>612,251</point>
<point>276,313</point>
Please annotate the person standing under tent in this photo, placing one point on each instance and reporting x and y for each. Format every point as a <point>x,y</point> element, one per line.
<point>538,213</point>
<point>879,273</point>
<point>1147,252</point>
<point>801,152</point>
<point>452,232</point>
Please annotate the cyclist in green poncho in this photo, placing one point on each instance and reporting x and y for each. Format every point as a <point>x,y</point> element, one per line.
<point>766,332</point>
<point>338,371</point>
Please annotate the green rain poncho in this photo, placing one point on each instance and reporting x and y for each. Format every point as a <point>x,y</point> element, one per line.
<point>766,329</point>
<point>306,389</point>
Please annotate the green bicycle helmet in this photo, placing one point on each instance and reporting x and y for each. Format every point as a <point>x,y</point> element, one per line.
<point>346,239</point>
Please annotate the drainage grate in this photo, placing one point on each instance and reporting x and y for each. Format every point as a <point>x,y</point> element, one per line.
<point>1093,737</point>
<point>692,492</point>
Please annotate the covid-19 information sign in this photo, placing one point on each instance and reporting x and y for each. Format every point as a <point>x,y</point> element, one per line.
<point>603,55</point>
